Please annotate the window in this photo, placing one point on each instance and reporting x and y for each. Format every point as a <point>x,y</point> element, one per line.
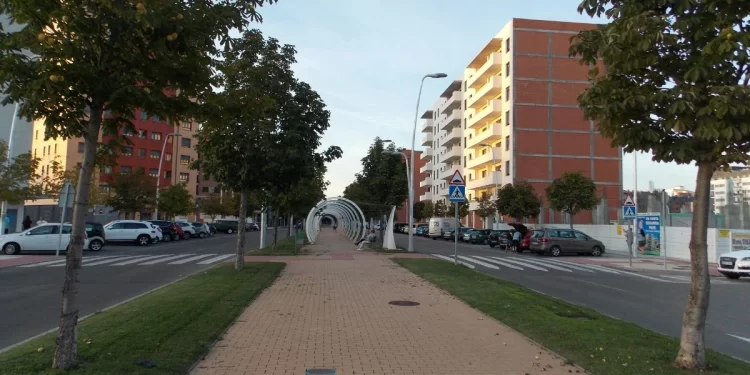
<point>156,136</point>
<point>136,226</point>
<point>153,172</point>
<point>168,174</point>
<point>580,235</point>
<point>144,115</point>
<point>507,118</point>
<point>141,153</point>
<point>187,126</point>
<point>66,229</point>
<point>155,154</point>
<point>184,159</point>
<point>47,229</point>
<point>156,118</point>
<point>168,157</point>
<point>217,190</point>
<point>507,69</point>
<point>507,167</point>
<point>204,189</point>
<point>80,147</point>
<point>104,188</point>
<point>107,170</point>
<point>127,151</point>
<point>128,132</point>
<point>55,148</point>
<point>185,142</point>
<point>125,169</point>
<point>507,143</point>
<point>142,134</point>
<point>184,177</point>
<point>507,93</point>
<point>507,45</point>
<point>44,151</point>
<point>36,135</point>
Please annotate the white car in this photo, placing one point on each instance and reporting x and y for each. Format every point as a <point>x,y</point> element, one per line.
<point>187,228</point>
<point>159,234</point>
<point>131,231</point>
<point>44,237</point>
<point>735,264</point>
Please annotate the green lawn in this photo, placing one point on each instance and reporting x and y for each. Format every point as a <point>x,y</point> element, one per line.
<point>284,247</point>
<point>172,327</point>
<point>599,344</point>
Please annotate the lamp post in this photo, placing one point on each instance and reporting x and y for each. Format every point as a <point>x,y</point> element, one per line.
<point>10,156</point>
<point>411,161</point>
<point>409,181</point>
<point>158,177</point>
<point>494,177</point>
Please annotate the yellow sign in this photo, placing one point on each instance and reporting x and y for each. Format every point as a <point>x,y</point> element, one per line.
<point>619,230</point>
<point>724,233</point>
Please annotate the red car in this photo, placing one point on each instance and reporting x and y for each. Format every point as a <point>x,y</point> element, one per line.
<point>525,236</point>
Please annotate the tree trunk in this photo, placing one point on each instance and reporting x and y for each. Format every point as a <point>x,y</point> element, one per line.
<point>275,231</point>
<point>570,219</point>
<point>692,354</point>
<point>239,259</point>
<point>66,349</point>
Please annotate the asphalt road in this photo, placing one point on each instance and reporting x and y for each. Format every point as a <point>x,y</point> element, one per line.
<point>30,294</point>
<point>654,300</point>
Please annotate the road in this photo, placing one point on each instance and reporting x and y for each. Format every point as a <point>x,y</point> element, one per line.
<point>654,300</point>
<point>30,293</point>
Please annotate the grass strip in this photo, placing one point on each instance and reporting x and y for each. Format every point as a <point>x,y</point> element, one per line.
<point>172,327</point>
<point>599,344</point>
<point>284,247</point>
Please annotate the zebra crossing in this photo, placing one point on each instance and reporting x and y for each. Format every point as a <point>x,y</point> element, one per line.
<point>546,265</point>
<point>137,260</point>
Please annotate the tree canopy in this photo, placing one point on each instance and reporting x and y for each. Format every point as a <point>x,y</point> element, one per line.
<point>572,193</point>
<point>486,207</point>
<point>175,200</point>
<point>18,179</point>
<point>518,201</point>
<point>428,210</point>
<point>133,192</point>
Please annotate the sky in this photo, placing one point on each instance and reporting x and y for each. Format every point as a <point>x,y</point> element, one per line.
<point>366,59</point>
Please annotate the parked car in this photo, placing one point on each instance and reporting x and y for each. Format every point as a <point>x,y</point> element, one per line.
<point>201,230</point>
<point>466,235</point>
<point>479,236</point>
<point>252,227</point>
<point>159,234</point>
<point>450,236</point>
<point>226,226</point>
<point>735,264</point>
<point>564,241</point>
<point>168,230</point>
<point>422,230</point>
<point>498,238</point>
<point>131,231</point>
<point>211,229</point>
<point>525,236</point>
<point>180,232</point>
<point>44,237</point>
<point>439,226</point>
<point>95,233</point>
<point>187,228</point>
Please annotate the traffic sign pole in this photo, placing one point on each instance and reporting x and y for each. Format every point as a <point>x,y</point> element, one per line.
<point>457,195</point>
<point>455,238</point>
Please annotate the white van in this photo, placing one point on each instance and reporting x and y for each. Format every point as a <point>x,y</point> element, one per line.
<point>440,225</point>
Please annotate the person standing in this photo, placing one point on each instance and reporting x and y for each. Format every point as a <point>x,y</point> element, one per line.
<point>41,221</point>
<point>27,222</point>
<point>516,240</point>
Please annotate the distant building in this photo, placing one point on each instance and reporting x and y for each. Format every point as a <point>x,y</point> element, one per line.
<point>420,188</point>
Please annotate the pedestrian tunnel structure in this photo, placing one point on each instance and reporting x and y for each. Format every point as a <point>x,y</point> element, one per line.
<point>348,216</point>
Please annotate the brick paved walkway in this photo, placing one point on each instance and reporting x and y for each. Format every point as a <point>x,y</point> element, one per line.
<point>335,314</point>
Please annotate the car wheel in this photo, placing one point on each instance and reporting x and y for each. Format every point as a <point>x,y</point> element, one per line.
<point>201,235</point>
<point>492,245</point>
<point>555,251</point>
<point>596,251</point>
<point>230,231</point>
<point>143,240</point>
<point>11,248</point>
<point>732,276</point>
<point>175,237</point>
<point>95,245</point>
<point>167,238</point>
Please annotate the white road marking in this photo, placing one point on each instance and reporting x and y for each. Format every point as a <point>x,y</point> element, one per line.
<point>565,264</point>
<point>110,260</point>
<point>739,337</point>
<point>524,264</point>
<point>139,259</point>
<point>216,259</point>
<point>83,261</point>
<point>479,262</point>
<point>42,264</point>
<point>495,261</point>
<point>164,259</point>
<point>540,263</point>
<point>443,257</point>
<point>183,261</point>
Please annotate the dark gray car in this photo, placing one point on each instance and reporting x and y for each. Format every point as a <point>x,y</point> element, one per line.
<point>557,242</point>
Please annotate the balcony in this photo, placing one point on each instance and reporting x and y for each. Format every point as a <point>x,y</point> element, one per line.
<point>484,160</point>
<point>485,182</point>
<point>427,153</point>
<point>492,133</point>
<point>428,126</point>
<point>426,196</point>
<point>426,182</point>
<point>454,119</point>
<point>453,102</point>
<point>491,112</point>
<point>427,168</point>
<point>473,205</point>
<point>427,139</point>
<point>452,137</point>
<point>454,153</point>
<point>442,192</point>
<point>491,89</point>
<point>492,66</point>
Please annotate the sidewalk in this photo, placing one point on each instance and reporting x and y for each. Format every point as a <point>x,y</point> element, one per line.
<point>331,309</point>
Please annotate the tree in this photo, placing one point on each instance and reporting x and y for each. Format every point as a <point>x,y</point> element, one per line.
<point>675,85</point>
<point>53,184</point>
<point>572,193</point>
<point>212,206</point>
<point>132,192</point>
<point>428,210</point>
<point>486,206</point>
<point>18,179</point>
<point>441,210</point>
<point>113,56</point>
<point>418,208</point>
<point>175,200</point>
<point>518,201</point>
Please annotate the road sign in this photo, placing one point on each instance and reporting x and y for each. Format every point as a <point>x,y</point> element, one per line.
<point>457,179</point>
<point>628,202</point>
<point>67,195</point>
<point>457,193</point>
<point>628,212</point>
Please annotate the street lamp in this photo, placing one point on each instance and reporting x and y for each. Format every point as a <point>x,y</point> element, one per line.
<point>406,161</point>
<point>494,174</point>
<point>158,176</point>
<point>411,162</point>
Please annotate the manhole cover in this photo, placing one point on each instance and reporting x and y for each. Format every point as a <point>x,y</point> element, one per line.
<point>403,303</point>
<point>320,371</point>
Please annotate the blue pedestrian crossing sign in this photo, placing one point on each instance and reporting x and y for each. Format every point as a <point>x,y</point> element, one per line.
<point>457,193</point>
<point>628,212</point>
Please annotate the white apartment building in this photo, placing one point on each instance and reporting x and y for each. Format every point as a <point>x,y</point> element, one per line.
<point>730,187</point>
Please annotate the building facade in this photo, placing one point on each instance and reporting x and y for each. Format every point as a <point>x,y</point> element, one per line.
<point>514,117</point>
<point>402,212</point>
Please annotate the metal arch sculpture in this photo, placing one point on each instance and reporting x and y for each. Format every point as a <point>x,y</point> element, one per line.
<point>350,217</point>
